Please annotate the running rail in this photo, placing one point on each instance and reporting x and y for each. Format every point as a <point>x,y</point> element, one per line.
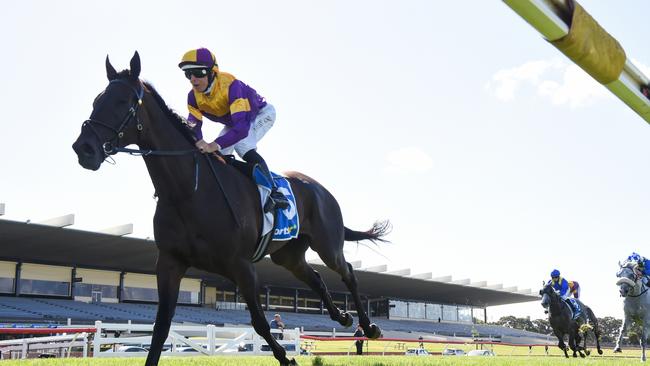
<point>551,18</point>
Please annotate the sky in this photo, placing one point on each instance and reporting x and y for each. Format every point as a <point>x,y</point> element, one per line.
<point>492,155</point>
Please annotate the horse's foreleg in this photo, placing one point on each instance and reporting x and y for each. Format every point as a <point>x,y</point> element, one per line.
<point>643,341</point>
<point>169,273</point>
<point>292,257</point>
<point>561,345</point>
<point>246,279</point>
<point>621,331</point>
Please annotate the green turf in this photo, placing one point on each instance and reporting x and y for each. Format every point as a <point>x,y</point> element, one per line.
<point>332,361</point>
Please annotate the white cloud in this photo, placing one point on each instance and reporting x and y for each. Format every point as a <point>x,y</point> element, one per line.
<point>562,83</point>
<point>411,159</point>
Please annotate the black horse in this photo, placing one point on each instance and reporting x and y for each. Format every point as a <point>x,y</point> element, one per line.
<point>560,317</point>
<point>210,217</point>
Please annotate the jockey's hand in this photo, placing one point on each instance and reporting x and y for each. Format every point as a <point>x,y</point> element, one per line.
<point>212,147</point>
<point>201,145</point>
<point>205,147</point>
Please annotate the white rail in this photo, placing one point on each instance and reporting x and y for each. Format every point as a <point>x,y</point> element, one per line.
<point>60,342</point>
<point>206,340</point>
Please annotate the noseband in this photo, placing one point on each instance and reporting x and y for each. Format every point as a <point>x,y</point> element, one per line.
<point>109,147</point>
<point>624,279</point>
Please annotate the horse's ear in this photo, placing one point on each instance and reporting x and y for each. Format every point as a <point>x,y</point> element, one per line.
<point>135,65</point>
<point>110,70</point>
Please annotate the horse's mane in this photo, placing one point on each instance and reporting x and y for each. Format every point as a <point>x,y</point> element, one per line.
<point>177,121</point>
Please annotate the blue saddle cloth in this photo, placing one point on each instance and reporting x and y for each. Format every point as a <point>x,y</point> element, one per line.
<point>285,222</point>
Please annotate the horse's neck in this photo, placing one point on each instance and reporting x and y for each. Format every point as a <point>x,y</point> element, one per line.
<point>556,306</point>
<point>170,176</point>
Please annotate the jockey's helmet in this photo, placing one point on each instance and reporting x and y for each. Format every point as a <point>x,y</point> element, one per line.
<point>200,58</point>
<point>555,273</point>
<point>634,257</point>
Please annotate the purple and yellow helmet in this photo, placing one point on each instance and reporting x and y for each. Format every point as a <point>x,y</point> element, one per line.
<point>200,58</point>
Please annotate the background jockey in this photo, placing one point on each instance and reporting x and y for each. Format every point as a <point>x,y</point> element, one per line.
<point>574,289</point>
<point>641,265</point>
<point>222,98</point>
<point>566,289</point>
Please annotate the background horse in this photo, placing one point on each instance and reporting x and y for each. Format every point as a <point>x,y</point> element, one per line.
<point>560,317</point>
<point>208,215</point>
<point>636,305</point>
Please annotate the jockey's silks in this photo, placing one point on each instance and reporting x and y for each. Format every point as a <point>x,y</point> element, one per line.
<point>228,101</point>
<point>562,285</point>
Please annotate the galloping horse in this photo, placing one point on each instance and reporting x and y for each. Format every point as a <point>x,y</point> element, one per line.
<point>208,214</point>
<point>560,317</point>
<point>636,305</point>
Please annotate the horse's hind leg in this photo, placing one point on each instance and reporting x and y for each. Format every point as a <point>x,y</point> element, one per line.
<point>597,336</point>
<point>169,273</point>
<point>292,257</point>
<point>246,279</point>
<point>333,257</point>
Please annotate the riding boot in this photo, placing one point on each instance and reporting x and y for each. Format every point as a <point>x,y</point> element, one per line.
<point>276,199</point>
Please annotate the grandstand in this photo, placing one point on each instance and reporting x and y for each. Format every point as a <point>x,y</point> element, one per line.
<point>51,274</point>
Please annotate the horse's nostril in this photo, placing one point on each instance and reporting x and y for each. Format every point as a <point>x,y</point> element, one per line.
<point>87,150</point>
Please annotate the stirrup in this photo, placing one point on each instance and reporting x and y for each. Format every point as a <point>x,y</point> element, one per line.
<point>279,199</point>
<point>273,204</point>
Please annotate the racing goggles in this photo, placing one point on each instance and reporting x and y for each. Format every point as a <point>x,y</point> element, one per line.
<point>197,73</point>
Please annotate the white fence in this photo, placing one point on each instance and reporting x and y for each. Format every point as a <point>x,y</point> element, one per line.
<point>207,340</point>
<point>62,344</point>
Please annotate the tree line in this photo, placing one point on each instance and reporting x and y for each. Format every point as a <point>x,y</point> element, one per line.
<point>609,327</point>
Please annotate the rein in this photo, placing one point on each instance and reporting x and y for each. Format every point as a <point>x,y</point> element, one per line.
<point>641,293</point>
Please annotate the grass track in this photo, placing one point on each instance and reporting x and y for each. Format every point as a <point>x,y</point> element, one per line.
<point>333,361</point>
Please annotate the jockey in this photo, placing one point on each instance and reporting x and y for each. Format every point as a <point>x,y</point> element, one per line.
<point>566,289</point>
<point>574,289</point>
<point>641,265</point>
<point>222,98</point>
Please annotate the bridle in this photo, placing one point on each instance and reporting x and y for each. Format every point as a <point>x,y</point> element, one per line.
<point>554,299</point>
<point>637,278</point>
<point>110,146</point>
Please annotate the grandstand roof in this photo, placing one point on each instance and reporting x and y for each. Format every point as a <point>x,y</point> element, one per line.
<point>47,244</point>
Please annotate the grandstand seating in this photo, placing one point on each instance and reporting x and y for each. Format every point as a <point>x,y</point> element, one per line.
<point>41,310</point>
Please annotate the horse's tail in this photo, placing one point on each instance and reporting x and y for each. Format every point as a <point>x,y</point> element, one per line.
<point>378,230</point>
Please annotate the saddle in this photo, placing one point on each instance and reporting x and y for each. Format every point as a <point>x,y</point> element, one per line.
<point>278,224</point>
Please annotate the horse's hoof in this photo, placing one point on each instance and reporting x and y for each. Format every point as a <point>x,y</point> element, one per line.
<point>616,350</point>
<point>290,362</point>
<point>347,320</point>
<point>600,351</point>
<point>587,352</point>
<point>375,331</point>
<point>582,355</point>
